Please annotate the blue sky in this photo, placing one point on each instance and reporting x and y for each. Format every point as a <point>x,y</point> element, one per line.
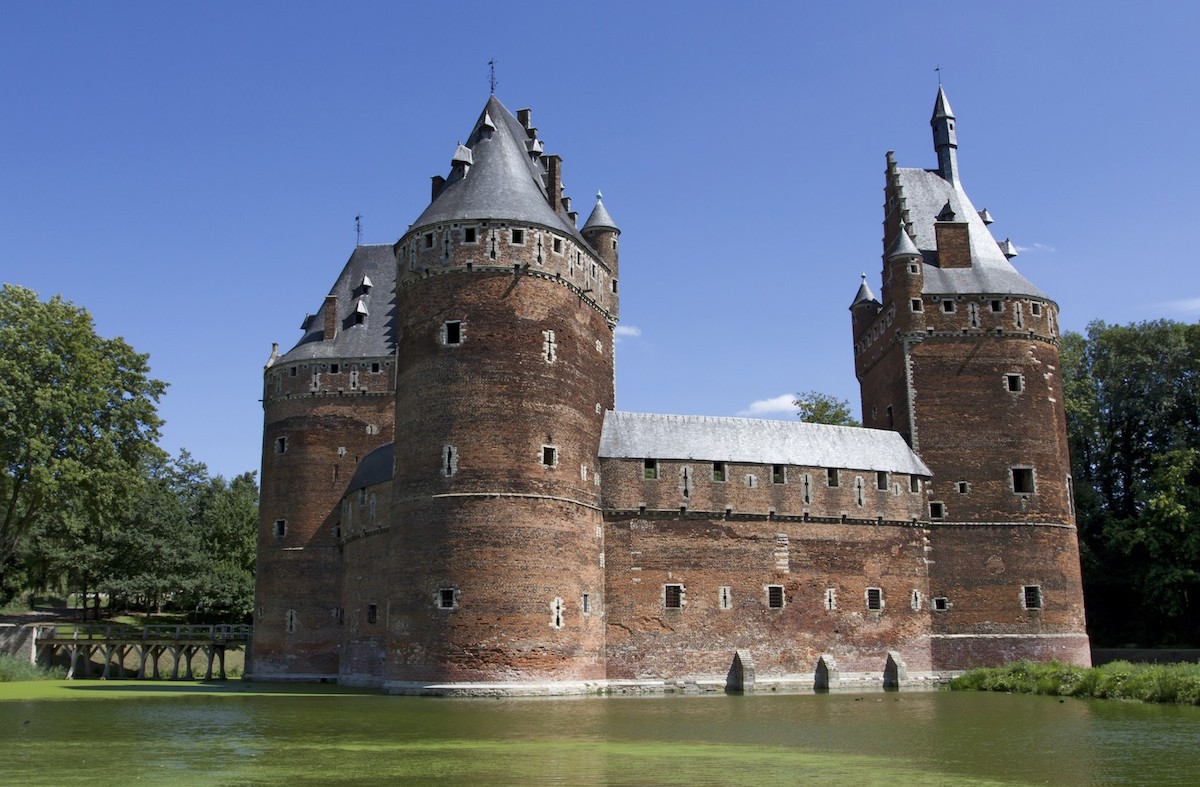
<point>190,173</point>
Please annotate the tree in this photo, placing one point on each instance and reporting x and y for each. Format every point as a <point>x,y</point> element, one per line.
<point>815,407</point>
<point>1132,398</point>
<point>77,417</point>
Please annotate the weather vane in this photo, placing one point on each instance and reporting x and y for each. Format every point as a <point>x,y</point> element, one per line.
<point>358,230</point>
<point>939,73</point>
<point>492,75</point>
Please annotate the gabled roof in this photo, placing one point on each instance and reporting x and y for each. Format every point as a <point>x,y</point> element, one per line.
<point>373,338</point>
<point>502,182</point>
<point>712,439</point>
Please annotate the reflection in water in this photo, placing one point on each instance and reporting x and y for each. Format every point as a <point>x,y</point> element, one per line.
<point>894,738</point>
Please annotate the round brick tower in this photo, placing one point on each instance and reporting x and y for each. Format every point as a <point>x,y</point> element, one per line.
<point>504,372</point>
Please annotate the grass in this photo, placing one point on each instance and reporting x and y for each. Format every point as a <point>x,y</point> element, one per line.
<point>1119,680</point>
<point>13,669</point>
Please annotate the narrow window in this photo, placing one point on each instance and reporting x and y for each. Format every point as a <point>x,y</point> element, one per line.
<point>830,602</point>
<point>469,235</point>
<point>941,604</point>
<point>354,380</point>
<point>1032,596</point>
<point>831,477</point>
<point>685,477</point>
<point>280,445</point>
<point>291,371</point>
<point>725,597</point>
<point>807,489</point>
<point>452,332</point>
<point>964,487</point>
<point>614,286</point>
<point>446,598</point>
<point>556,611</point>
<point>973,315</point>
<point>673,596</point>
<point>1022,480</point>
<point>937,510</point>
<point>1014,382</point>
<point>915,304</point>
<point>874,599</point>
<point>947,306</point>
<point>429,240</point>
<point>290,623</point>
<point>372,613</point>
<point>371,509</point>
<point>751,480</point>
<point>891,417</point>
<point>549,456</point>
<point>518,237</point>
<point>859,487</point>
<point>881,481</point>
<point>650,469</point>
<point>914,484</point>
<point>1071,495</point>
<point>585,603</point>
<point>280,528</point>
<point>1018,316</point>
<point>915,600</point>
<point>775,596</point>
<point>718,471</point>
<point>778,474</point>
<point>997,305</point>
<point>549,347</point>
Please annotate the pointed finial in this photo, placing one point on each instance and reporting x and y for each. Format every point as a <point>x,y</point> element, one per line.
<point>599,195</point>
<point>939,73</point>
<point>864,278</point>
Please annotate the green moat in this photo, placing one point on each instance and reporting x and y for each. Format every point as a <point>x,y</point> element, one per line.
<point>189,733</point>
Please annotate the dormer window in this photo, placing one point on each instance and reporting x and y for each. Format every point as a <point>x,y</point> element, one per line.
<point>365,285</point>
<point>360,312</point>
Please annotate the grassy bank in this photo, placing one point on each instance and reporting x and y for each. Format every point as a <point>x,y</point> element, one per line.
<point>1120,680</point>
<point>13,669</point>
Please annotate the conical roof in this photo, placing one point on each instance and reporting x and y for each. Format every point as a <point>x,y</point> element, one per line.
<point>599,218</point>
<point>864,294</point>
<point>903,245</point>
<point>941,106</point>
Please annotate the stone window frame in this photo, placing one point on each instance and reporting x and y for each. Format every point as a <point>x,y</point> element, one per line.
<point>829,600</point>
<point>882,481</point>
<point>1011,379</point>
<point>1032,598</point>
<point>650,470</point>
<point>916,305</point>
<point>776,596</point>
<point>873,598</point>
<point>937,509</point>
<point>280,444</point>
<point>556,244</point>
<point>833,477</point>
<point>860,491</point>
<point>673,595</point>
<point>725,597</point>
<point>473,238</point>
<point>585,603</point>
<point>1035,309</point>
<point>1022,480</point>
<point>963,487</point>
<point>444,595</point>
<point>779,474</point>
<point>458,333</point>
<point>516,236</point>
<point>557,608</point>
<point>720,472</point>
<point>551,453</point>
<point>427,242</point>
<point>949,306</point>
<point>996,305</point>
<point>914,600</point>
<point>914,484</point>
<point>940,604</point>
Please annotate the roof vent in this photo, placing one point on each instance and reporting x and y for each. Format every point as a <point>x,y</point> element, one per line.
<point>987,217</point>
<point>462,160</point>
<point>307,321</point>
<point>487,122</point>
<point>534,147</point>
<point>360,307</point>
<point>365,285</point>
<point>1009,248</point>
<point>947,213</point>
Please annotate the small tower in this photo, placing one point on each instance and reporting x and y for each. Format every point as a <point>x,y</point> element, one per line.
<point>601,232</point>
<point>961,357</point>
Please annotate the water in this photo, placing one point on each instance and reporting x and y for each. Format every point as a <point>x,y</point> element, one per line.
<point>169,734</point>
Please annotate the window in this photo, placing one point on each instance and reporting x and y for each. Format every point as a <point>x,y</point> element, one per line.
<point>937,510</point>
<point>449,461</point>
<point>915,304</point>
<point>549,456</point>
<point>718,471</point>
<point>881,481</point>
<point>556,613</point>
<point>859,487</point>
<point>290,621</point>
<point>291,371</point>
<point>518,237</point>
<point>469,235</point>
<point>1022,480</point>
<point>914,484</point>
<point>650,469</point>
<point>725,597</point>
<point>372,613</point>
<point>830,600</point>
<point>997,305</point>
<point>941,604</point>
<point>973,315</point>
<point>280,445</point>
<point>1015,383</point>
<point>585,603</point>
<point>914,600</point>
<point>452,332</point>
<point>778,474</point>
<point>447,598</point>
<point>751,480</point>
<point>429,240</point>
<point>375,368</point>
<point>1035,309</point>
<point>1031,595</point>
<point>557,246</point>
<point>614,286</point>
<point>280,528</point>
<point>549,347</point>
<point>673,596</point>
<point>807,483</point>
<point>775,596</point>
<point>874,599</point>
<point>947,306</point>
<point>964,487</point>
<point>1018,316</point>
<point>831,477</point>
<point>913,268</point>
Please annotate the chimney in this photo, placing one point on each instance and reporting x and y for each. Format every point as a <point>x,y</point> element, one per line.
<point>331,317</point>
<point>953,243</point>
<point>554,181</point>
<point>439,183</point>
<point>525,117</point>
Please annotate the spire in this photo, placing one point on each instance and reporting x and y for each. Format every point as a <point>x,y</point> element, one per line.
<point>864,294</point>
<point>599,218</point>
<point>945,140</point>
<point>901,247</point>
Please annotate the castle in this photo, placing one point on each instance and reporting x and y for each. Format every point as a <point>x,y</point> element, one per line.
<point>451,503</point>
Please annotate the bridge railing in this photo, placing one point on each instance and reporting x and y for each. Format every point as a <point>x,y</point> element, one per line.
<point>221,633</point>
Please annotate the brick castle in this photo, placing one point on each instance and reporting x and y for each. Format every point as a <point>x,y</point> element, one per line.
<point>452,504</point>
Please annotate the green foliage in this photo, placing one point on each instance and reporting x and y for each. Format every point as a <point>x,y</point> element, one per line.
<point>1132,398</point>
<point>13,669</point>
<point>1119,680</point>
<point>77,418</point>
<point>815,407</point>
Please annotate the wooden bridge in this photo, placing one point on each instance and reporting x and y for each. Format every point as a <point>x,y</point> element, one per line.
<point>113,643</point>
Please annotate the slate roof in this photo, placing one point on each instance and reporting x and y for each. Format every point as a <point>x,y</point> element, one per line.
<point>376,337</point>
<point>503,182</point>
<point>599,218</point>
<point>375,468</point>
<point>925,194</point>
<point>713,439</point>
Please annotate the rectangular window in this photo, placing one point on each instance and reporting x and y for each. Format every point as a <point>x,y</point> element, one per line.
<point>874,599</point>
<point>915,304</point>
<point>775,596</point>
<point>941,604</point>
<point>429,240</point>
<point>372,613</point>
<point>778,474</point>
<point>469,235</point>
<point>1032,596</point>
<point>518,237</point>
<point>1022,480</point>
<point>725,597</point>
<point>964,487</point>
<point>446,598</point>
<point>650,469</point>
<point>1014,383</point>
<point>334,368</point>
<point>947,306</point>
<point>1035,309</point>
<point>280,528</point>
<point>718,471</point>
<point>937,510</point>
<point>673,596</point>
<point>452,331</point>
<point>375,368</point>
<point>549,456</point>
<point>557,246</point>
<point>586,603</point>
<point>831,477</point>
<point>280,445</point>
<point>291,371</point>
<point>914,484</point>
<point>881,481</point>
<point>997,305</point>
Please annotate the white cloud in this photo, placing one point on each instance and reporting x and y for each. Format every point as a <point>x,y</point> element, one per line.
<point>776,404</point>
<point>627,332</point>
<point>1183,307</point>
<point>1034,247</point>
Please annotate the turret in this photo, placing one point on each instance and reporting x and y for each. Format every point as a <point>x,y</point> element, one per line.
<point>945,140</point>
<point>601,232</point>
